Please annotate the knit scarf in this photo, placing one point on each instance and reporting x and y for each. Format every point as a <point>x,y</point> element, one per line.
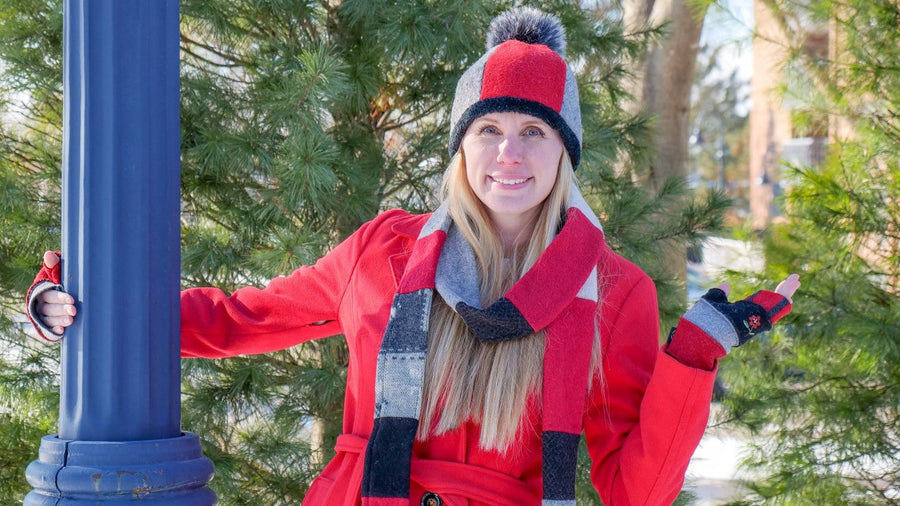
<point>558,294</point>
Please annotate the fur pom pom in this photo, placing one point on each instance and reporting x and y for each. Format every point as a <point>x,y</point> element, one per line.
<point>530,25</point>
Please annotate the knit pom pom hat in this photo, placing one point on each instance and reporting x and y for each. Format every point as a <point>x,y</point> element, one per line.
<point>523,71</point>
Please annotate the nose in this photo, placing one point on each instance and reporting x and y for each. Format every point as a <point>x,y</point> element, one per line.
<point>510,150</point>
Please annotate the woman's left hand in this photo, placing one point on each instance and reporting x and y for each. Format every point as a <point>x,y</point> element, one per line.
<point>700,337</point>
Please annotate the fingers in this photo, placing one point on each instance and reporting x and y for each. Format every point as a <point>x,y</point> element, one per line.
<point>50,258</point>
<point>45,309</point>
<point>57,297</point>
<point>57,310</point>
<point>56,316</point>
<point>786,288</point>
<point>789,286</point>
<point>58,324</point>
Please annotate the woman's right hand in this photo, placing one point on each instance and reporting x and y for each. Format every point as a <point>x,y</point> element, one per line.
<point>55,308</point>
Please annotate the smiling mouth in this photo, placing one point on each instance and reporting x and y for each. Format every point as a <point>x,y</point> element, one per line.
<point>509,181</point>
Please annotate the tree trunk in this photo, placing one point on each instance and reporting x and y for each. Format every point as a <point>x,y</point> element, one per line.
<point>662,87</point>
<point>662,90</point>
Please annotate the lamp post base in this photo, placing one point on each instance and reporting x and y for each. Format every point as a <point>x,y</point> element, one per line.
<point>157,471</point>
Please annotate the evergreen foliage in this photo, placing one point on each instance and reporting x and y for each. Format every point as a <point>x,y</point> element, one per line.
<point>30,154</point>
<point>823,394</point>
<point>300,121</point>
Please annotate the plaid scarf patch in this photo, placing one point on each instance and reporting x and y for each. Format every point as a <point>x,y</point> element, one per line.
<point>558,294</point>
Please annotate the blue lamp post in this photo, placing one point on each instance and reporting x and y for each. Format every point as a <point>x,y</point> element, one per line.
<point>119,437</point>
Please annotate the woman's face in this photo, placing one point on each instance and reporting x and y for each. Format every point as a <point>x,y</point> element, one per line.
<point>511,163</point>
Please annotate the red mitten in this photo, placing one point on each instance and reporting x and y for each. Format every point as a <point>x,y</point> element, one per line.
<point>48,278</point>
<point>713,326</point>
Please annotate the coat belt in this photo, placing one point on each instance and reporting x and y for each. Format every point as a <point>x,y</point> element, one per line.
<point>476,483</point>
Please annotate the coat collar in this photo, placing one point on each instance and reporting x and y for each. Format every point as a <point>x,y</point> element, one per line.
<point>410,225</point>
<point>407,227</point>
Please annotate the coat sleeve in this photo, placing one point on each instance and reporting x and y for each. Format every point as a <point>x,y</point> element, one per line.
<point>647,411</point>
<point>289,310</point>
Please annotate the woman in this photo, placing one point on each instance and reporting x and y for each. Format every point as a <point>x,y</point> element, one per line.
<point>485,337</point>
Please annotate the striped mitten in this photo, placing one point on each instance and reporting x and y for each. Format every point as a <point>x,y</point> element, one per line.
<point>48,278</point>
<point>713,326</point>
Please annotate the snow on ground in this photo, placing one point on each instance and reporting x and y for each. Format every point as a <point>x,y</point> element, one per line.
<point>713,474</point>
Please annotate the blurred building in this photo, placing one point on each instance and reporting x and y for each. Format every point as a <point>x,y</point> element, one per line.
<point>777,139</point>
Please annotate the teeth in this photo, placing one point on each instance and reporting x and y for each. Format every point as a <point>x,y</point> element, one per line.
<point>510,181</point>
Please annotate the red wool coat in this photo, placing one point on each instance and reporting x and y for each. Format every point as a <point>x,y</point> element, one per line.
<point>645,417</point>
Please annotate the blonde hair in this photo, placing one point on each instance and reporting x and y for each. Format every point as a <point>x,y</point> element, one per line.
<point>488,383</point>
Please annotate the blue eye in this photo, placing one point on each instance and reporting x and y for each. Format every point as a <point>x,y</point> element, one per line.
<point>534,132</point>
<point>489,129</point>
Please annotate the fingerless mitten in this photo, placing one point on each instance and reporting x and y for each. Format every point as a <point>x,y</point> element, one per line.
<point>48,278</point>
<point>713,326</point>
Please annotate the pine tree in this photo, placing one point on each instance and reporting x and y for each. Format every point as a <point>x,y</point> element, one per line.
<point>301,120</point>
<point>824,392</point>
<point>30,152</point>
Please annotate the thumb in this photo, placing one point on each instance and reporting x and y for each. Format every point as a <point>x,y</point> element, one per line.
<point>725,287</point>
<point>789,286</point>
<point>50,259</point>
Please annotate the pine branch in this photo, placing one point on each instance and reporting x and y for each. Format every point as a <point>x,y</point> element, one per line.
<point>408,120</point>
<point>234,60</point>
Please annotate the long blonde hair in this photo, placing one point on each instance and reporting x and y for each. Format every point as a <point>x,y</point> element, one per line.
<point>488,383</point>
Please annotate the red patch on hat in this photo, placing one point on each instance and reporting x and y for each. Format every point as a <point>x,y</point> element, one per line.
<point>528,71</point>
